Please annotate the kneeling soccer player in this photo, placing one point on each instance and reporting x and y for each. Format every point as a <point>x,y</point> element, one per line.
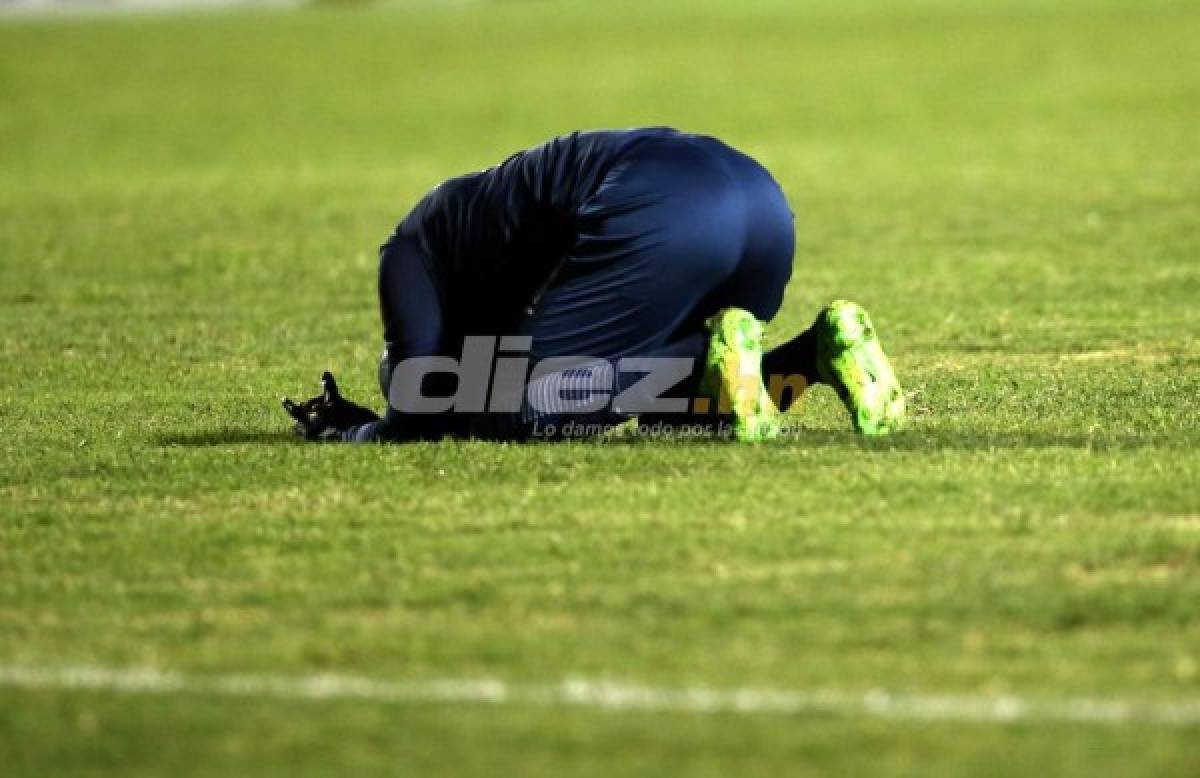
<point>603,254</point>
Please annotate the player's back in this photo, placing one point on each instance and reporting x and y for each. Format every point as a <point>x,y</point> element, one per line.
<point>493,237</point>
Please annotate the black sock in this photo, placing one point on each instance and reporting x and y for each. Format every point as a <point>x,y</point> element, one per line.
<point>797,357</point>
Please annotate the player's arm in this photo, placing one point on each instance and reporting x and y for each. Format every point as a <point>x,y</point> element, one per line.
<point>413,326</point>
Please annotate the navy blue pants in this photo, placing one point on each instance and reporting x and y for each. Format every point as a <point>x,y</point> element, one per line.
<point>678,230</point>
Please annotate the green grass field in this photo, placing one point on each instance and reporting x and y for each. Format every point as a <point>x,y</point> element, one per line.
<point>189,210</point>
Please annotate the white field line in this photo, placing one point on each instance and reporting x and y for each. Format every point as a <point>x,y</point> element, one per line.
<point>616,696</point>
<point>35,9</point>
<point>16,9</point>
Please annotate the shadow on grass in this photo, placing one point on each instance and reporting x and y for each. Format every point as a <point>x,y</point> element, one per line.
<point>907,440</point>
<point>228,437</point>
<point>936,440</point>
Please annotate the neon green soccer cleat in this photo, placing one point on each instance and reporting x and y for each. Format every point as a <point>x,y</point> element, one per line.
<point>733,375</point>
<point>850,359</point>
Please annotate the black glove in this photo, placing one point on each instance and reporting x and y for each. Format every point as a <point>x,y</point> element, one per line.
<point>327,415</point>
